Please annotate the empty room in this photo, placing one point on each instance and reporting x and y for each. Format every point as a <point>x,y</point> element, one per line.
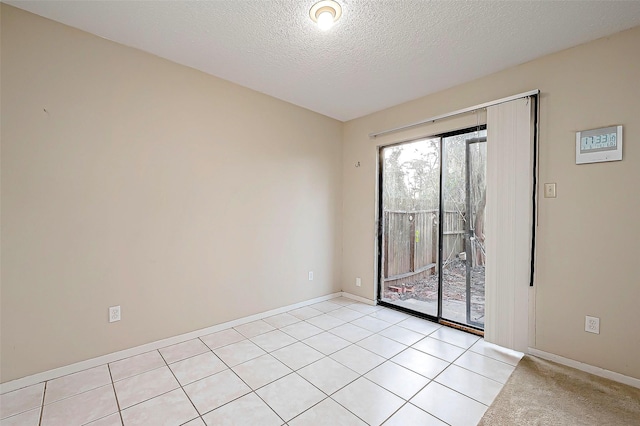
<point>303,212</point>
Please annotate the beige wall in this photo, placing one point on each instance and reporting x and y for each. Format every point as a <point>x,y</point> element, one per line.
<point>185,199</point>
<point>191,201</point>
<point>588,237</point>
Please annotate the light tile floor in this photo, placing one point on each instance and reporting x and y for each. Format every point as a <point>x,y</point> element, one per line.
<point>338,362</point>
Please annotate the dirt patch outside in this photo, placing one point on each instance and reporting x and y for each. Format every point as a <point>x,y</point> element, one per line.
<point>454,292</point>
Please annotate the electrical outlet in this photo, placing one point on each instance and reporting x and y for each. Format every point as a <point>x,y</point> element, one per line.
<point>592,324</point>
<point>114,313</point>
<point>310,275</point>
<point>358,282</point>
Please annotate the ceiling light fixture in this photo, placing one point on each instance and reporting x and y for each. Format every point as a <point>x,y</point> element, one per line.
<point>325,13</point>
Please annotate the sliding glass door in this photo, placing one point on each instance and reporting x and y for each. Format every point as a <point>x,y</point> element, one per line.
<point>464,192</point>
<point>410,207</point>
<point>432,197</point>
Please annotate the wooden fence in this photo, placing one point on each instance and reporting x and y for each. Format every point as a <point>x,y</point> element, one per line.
<point>410,242</point>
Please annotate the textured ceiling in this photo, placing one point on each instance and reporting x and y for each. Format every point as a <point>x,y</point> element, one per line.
<point>380,53</point>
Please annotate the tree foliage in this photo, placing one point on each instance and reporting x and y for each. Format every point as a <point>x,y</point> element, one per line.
<point>411,178</point>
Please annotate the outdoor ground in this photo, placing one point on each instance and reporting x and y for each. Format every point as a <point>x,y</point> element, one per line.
<point>425,293</point>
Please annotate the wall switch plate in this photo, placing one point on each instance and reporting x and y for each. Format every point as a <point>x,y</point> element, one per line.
<point>592,324</point>
<point>114,313</point>
<point>358,282</point>
<point>549,190</point>
<point>310,275</point>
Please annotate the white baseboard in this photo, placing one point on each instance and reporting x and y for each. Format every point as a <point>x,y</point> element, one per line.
<point>359,299</point>
<point>126,353</point>
<point>597,371</point>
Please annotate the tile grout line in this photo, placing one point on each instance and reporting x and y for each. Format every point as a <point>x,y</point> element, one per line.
<point>251,389</point>
<point>148,399</point>
<point>452,363</point>
<point>399,408</point>
<point>233,371</point>
<point>431,414</point>
<point>265,402</point>
<point>406,401</point>
<point>304,304</point>
<point>389,390</point>
<point>45,382</point>
<point>460,393</point>
<point>454,390</point>
<point>333,399</point>
<point>292,372</point>
<point>113,385</point>
<point>431,380</point>
<point>327,396</point>
<point>213,352</point>
<point>324,356</point>
<point>44,392</point>
<point>165,365</point>
<point>180,385</point>
<point>481,374</point>
<point>133,375</point>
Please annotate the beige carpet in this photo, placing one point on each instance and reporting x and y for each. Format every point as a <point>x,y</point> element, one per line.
<point>541,392</point>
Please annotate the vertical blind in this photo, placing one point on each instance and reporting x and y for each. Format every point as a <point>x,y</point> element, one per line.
<point>509,219</point>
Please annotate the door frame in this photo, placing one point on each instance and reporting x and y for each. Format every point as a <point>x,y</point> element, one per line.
<point>469,229</point>
<point>380,230</point>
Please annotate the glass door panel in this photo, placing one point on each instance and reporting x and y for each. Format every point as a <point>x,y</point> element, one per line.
<point>410,204</point>
<point>463,255</point>
<point>432,209</point>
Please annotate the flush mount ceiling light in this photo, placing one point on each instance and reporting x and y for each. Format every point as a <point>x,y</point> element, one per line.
<point>325,13</point>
